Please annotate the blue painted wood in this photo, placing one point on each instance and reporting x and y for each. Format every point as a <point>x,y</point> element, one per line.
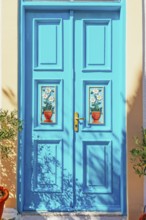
<point>21,112</point>
<point>79,55</point>
<point>111,130</point>
<point>102,5</point>
<point>97,30</point>
<point>44,182</point>
<point>47,35</point>
<point>95,179</point>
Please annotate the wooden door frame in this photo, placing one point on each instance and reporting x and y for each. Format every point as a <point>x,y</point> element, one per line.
<point>91,6</point>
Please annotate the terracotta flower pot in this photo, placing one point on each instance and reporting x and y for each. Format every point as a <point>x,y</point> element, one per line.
<point>48,114</point>
<point>143,216</point>
<point>3,199</point>
<point>96,117</point>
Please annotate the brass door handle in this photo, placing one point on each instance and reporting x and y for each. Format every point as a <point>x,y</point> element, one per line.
<point>80,118</point>
<point>76,121</point>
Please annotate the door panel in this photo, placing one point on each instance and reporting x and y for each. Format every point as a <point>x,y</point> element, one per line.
<point>48,153</point>
<point>47,36</point>
<point>96,37</point>
<point>97,86</point>
<point>73,64</point>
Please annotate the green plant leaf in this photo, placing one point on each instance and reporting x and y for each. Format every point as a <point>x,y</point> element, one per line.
<point>10,125</point>
<point>138,154</point>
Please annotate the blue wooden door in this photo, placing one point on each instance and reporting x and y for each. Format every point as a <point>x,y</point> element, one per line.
<point>98,98</point>
<point>73,69</point>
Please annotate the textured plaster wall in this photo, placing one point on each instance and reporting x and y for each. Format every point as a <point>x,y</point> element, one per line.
<point>134,100</point>
<point>9,37</point>
<point>9,64</point>
<point>9,53</point>
<point>144,84</point>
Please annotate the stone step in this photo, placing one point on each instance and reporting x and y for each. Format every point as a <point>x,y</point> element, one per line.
<point>72,217</point>
<point>12,214</point>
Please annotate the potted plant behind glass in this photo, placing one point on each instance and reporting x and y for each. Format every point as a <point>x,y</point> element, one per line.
<point>9,127</point>
<point>138,159</point>
<point>48,96</point>
<point>96,108</point>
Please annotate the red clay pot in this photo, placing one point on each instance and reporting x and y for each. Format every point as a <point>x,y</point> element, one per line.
<point>3,199</point>
<point>96,117</point>
<point>143,216</point>
<point>48,115</point>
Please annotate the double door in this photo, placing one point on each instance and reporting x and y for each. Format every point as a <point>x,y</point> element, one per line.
<point>74,140</point>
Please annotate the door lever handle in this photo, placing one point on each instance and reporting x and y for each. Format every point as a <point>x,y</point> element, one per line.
<point>80,118</point>
<point>76,121</point>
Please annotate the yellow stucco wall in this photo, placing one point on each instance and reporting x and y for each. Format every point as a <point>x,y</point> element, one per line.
<point>9,31</point>
<point>133,85</point>
<point>134,100</point>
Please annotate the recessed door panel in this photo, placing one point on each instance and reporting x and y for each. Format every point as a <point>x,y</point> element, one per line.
<point>97,52</point>
<point>47,38</point>
<point>97,167</point>
<point>47,166</point>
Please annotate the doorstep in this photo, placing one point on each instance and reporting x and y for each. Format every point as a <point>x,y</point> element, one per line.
<point>10,214</point>
<point>73,216</point>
